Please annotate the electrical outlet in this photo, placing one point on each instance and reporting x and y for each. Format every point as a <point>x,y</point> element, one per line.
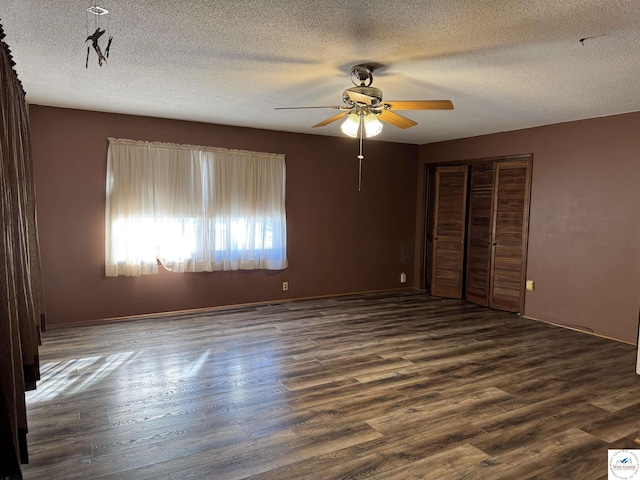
<point>403,277</point>
<point>285,286</point>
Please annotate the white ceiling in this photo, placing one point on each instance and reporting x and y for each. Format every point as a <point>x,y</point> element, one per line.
<point>506,64</point>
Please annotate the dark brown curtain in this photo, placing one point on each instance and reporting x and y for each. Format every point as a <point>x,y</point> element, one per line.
<point>21,292</point>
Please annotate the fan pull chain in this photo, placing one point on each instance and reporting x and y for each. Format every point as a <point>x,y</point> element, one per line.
<point>360,157</point>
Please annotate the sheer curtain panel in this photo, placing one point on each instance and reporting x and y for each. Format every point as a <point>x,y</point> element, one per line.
<point>193,209</point>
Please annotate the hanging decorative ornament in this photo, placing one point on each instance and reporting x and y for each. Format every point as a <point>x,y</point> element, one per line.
<point>99,20</point>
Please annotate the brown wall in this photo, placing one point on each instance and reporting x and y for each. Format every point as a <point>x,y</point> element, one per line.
<point>584,230</point>
<point>584,238</point>
<point>339,240</point>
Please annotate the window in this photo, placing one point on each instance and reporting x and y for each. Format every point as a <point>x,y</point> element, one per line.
<point>193,208</point>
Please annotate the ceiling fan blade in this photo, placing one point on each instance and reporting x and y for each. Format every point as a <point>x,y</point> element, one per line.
<point>358,97</point>
<point>420,104</point>
<point>300,108</point>
<point>396,120</point>
<point>330,120</point>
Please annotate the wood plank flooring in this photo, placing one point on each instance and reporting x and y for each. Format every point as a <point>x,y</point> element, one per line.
<point>395,385</point>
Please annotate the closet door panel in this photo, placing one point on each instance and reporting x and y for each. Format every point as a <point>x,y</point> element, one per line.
<point>449,231</point>
<point>510,231</point>
<point>479,235</point>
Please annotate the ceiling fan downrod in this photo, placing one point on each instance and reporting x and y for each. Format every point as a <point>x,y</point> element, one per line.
<point>362,75</point>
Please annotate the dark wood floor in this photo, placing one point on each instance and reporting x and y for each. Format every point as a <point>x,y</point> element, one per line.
<point>387,386</point>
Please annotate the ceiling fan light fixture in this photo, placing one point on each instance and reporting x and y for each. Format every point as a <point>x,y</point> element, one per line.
<point>372,126</point>
<point>351,125</point>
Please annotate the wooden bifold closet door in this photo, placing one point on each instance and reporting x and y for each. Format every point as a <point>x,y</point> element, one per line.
<point>497,234</point>
<point>479,235</point>
<point>448,236</point>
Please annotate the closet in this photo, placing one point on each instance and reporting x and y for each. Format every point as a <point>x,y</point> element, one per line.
<point>476,231</point>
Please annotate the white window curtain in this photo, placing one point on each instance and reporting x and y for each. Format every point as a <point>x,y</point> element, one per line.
<point>193,208</point>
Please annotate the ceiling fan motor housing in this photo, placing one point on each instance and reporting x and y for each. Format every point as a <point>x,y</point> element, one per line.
<point>374,93</point>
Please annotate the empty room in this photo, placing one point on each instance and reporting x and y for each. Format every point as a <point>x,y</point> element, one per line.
<point>319,240</point>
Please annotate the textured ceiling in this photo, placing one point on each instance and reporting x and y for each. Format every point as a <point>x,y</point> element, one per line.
<point>505,65</point>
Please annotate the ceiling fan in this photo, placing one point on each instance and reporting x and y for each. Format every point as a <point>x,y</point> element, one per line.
<point>364,108</point>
